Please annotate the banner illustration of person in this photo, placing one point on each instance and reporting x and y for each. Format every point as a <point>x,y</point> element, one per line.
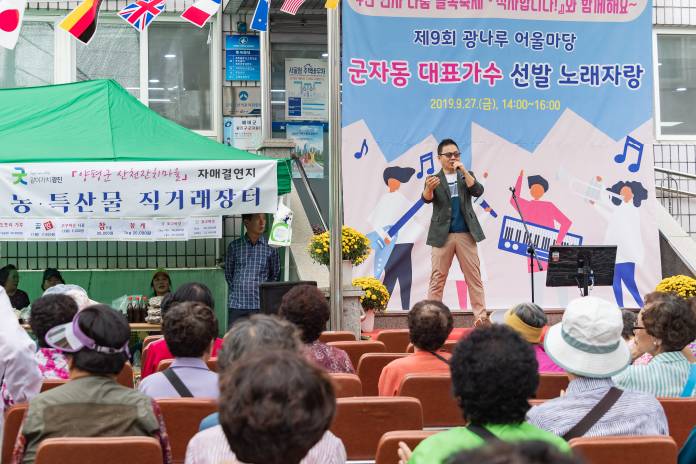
<point>394,235</point>
<point>624,219</point>
<point>563,95</point>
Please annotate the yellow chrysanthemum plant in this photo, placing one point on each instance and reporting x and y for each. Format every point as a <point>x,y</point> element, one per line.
<point>376,295</point>
<point>355,246</point>
<point>680,285</point>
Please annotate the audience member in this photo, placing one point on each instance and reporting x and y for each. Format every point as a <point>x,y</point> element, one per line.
<point>429,324</point>
<point>524,452</point>
<point>588,344</point>
<point>92,404</point>
<point>307,308</point>
<point>161,283</point>
<point>254,335</point>
<point>689,351</point>
<point>21,379</point>
<point>687,455</point>
<point>665,326</point>
<point>9,279</point>
<point>629,324</point>
<point>75,292</point>
<point>189,331</point>
<point>46,313</point>
<point>494,373</point>
<point>158,350</point>
<point>275,407</point>
<point>51,277</point>
<point>529,320</point>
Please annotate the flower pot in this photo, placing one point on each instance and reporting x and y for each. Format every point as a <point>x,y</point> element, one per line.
<point>367,322</point>
<point>346,273</point>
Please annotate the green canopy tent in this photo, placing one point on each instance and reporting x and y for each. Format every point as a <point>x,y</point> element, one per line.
<point>100,121</point>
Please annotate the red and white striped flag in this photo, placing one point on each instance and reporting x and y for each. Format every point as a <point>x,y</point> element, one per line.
<point>291,6</point>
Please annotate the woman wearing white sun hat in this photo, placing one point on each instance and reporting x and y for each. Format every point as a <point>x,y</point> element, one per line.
<point>588,345</point>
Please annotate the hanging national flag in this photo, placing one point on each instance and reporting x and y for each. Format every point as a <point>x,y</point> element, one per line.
<point>291,6</point>
<point>260,21</point>
<point>11,14</point>
<point>199,12</point>
<point>141,13</point>
<point>331,4</point>
<point>82,21</point>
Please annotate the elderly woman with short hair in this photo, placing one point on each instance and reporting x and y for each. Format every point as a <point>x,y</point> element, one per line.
<point>665,326</point>
<point>529,320</point>
<point>261,334</point>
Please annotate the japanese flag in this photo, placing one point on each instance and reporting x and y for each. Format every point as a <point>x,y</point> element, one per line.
<point>11,15</point>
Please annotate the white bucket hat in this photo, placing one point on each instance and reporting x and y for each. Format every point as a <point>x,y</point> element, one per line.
<point>588,340</point>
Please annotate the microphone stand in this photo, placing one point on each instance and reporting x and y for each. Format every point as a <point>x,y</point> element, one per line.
<point>528,241</point>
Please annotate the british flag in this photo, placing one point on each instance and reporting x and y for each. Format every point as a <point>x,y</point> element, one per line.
<point>140,13</point>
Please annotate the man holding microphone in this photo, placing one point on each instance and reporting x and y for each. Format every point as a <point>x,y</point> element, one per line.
<point>454,228</point>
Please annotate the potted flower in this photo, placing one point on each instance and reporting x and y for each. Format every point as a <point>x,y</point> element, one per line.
<point>680,285</point>
<point>355,250</point>
<point>373,301</point>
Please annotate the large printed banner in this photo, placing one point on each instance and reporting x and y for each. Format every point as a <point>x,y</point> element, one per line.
<point>146,189</point>
<point>552,98</point>
<point>143,230</point>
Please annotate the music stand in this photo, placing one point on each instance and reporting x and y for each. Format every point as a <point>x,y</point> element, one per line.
<point>581,266</point>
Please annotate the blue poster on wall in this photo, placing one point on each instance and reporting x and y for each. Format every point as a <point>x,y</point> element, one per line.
<point>242,58</point>
<point>550,97</point>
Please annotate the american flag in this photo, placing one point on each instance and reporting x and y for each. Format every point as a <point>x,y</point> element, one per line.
<point>141,13</point>
<point>291,6</point>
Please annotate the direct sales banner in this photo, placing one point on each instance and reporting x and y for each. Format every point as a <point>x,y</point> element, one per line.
<point>144,230</point>
<point>552,98</point>
<point>147,189</point>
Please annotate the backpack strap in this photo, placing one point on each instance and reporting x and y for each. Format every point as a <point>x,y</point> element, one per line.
<point>440,357</point>
<point>177,383</point>
<point>690,383</point>
<point>483,433</point>
<point>595,414</point>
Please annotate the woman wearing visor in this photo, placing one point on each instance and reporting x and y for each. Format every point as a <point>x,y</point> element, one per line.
<point>92,404</point>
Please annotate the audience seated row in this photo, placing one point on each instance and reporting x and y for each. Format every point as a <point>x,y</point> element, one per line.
<point>278,386</point>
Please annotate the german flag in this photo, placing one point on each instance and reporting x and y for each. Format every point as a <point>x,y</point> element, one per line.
<point>82,21</point>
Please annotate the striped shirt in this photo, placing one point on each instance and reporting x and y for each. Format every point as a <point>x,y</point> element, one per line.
<point>664,375</point>
<point>633,414</point>
<point>210,447</point>
<point>246,266</point>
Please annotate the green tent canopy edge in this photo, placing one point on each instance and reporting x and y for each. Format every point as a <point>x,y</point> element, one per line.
<point>99,120</point>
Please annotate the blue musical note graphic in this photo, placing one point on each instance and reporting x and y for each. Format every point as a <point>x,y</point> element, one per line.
<point>363,150</point>
<point>425,159</point>
<point>635,145</point>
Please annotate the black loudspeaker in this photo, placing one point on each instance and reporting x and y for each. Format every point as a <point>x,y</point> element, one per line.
<point>272,292</point>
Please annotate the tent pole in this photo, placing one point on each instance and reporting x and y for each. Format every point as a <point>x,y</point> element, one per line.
<point>266,116</point>
<point>335,179</point>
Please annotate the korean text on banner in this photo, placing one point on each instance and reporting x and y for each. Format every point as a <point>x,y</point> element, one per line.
<point>138,189</point>
<point>552,98</point>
